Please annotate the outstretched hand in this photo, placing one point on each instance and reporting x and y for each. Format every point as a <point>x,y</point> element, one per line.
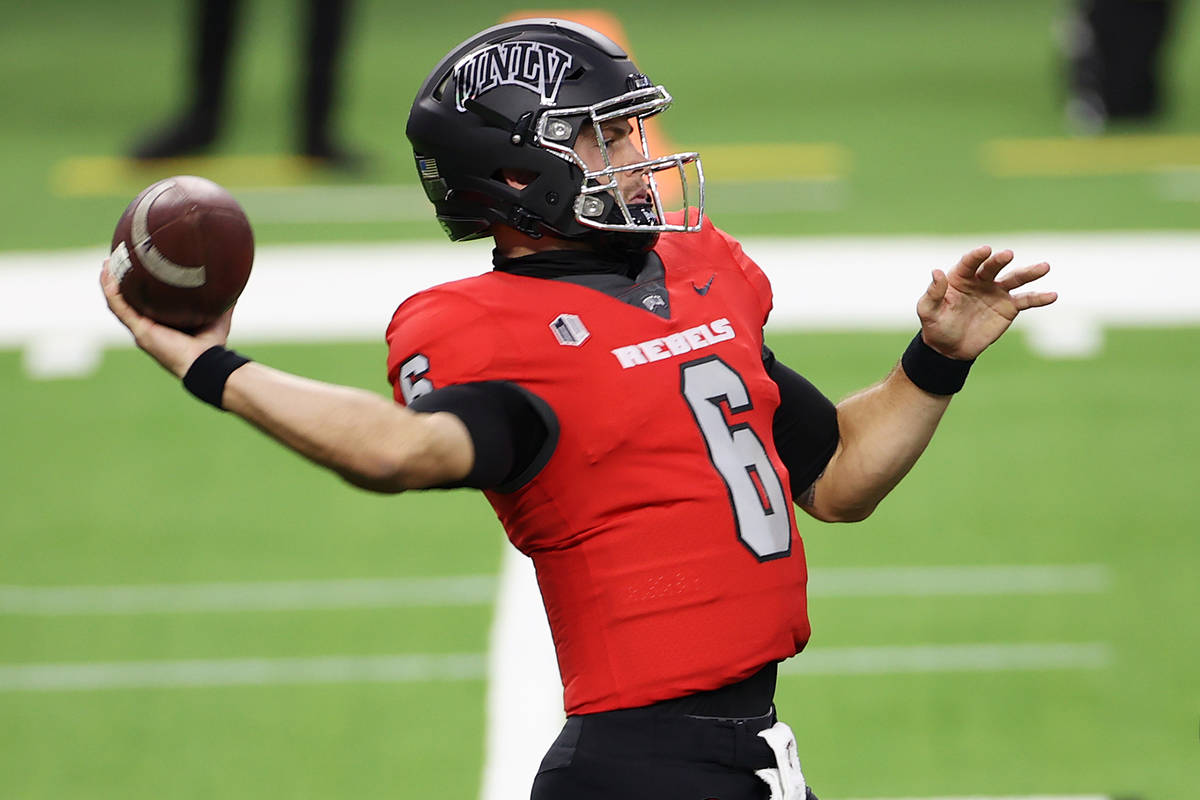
<point>966,310</point>
<point>172,348</point>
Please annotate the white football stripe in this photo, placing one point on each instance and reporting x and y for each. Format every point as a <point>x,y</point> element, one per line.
<point>151,257</point>
<point>463,590</point>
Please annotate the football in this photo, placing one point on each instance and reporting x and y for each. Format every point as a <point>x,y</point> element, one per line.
<point>182,252</point>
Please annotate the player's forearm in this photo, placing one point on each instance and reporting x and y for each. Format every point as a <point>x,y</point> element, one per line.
<point>883,430</point>
<point>368,440</point>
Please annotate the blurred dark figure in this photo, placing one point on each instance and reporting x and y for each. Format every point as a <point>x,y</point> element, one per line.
<point>1114,50</point>
<point>197,128</point>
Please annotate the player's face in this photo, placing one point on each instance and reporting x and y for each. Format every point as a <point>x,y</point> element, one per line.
<point>623,148</point>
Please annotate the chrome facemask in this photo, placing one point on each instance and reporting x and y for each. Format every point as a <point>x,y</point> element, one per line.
<point>554,129</point>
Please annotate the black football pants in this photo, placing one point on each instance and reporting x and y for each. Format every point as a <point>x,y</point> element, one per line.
<point>646,754</point>
<point>1123,60</point>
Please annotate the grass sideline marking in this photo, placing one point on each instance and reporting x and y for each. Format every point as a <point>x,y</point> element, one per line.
<point>429,668</point>
<point>473,590</point>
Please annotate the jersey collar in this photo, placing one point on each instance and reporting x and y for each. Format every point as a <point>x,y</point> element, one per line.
<point>561,263</point>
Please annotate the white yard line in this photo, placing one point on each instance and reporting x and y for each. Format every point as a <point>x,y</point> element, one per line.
<point>50,304</point>
<point>958,580</point>
<point>426,667</point>
<point>411,668</point>
<point>471,590</point>
<point>1005,657</point>
<point>461,590</point>
<point>1000,797</point>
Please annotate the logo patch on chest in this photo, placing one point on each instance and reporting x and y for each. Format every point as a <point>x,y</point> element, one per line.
<point>569,330</point>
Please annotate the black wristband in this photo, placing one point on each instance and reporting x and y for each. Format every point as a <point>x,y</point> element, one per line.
<point>206,376</point>
<point>932,371</point>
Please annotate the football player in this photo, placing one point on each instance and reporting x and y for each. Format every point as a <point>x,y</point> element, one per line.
<point>607,386</point>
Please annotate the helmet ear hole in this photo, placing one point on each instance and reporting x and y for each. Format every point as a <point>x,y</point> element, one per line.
<point>516,177</point>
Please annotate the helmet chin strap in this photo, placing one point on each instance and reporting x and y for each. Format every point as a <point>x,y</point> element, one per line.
<point>632,241</point>
<point>642,214</point>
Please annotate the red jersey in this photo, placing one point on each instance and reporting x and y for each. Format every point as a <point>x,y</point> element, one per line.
<point>661,527</point>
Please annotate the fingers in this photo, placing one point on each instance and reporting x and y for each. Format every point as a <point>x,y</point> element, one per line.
<point>934,295</point>
<point>112,294</point>
<point>1033,299</point>
<point>218,330</point>
<point>969,263</point>
<point>991,267</point>
<point>1022,276</point>
<point>116,303</point>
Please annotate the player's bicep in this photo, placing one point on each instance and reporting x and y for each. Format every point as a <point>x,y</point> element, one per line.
<point>512,432</point>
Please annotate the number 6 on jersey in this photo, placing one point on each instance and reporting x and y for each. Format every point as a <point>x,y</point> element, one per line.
<point>755,491</point>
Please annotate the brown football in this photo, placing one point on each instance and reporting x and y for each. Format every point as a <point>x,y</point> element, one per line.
<point>182,252</point>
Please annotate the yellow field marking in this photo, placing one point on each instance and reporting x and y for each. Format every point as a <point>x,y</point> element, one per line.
<point>1108,155</point>
<point>108,176</point>
<point>797,161</point>
<point>112,176</point>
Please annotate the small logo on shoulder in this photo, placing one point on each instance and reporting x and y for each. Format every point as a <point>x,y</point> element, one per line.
<point>569,330</point>
<point>703,290</point>
<point>653,301</point>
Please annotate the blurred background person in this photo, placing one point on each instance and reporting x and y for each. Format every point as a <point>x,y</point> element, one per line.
<point>198,126</point>
<point>1114,56</point>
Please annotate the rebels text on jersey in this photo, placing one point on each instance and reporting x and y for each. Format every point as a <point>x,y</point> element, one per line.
<point>661,526</point>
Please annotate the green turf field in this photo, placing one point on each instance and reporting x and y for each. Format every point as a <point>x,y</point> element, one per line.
<point>119,479</point>
<point>912,91</point>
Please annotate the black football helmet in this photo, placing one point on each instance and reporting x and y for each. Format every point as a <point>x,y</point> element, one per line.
<point>516,97</point>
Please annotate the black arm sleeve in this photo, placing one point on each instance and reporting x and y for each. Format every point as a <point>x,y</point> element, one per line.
<point>513,430</point>
<point>805,426</point>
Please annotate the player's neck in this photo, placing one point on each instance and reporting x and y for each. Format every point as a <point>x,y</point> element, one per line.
<point>511,243</point>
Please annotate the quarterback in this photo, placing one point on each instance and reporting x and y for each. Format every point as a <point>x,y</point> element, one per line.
<point>607,386</point>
